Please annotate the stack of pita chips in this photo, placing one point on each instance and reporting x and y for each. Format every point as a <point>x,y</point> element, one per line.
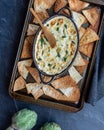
<point>41,6</point>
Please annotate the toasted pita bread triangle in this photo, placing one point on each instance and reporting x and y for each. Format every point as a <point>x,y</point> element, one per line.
<point>38,94</point>
<point>32,28</point>
<point>34,89</point>
<point>96,26</point>
<point>92,15</point>
<point>79,19</point>
<point>19,84</point>
<point>81,69</point>
<point>87,49</point>
<point>35,86</point>
<point>49,3</point>
<point>46,78</point>
<point>42,5</point>
<point>81,32</point>
<point>51,92</point>
<point>42,16</point>
<point>74,95</point>
<point>65,12</point>
<point>66,91</point>
<point>77,5</point>
<point>74,74</point>
<point>22,67</point>
<point>63,82</point>
<point>88,37</point>
<point>27,49</point>
<point>29,87</point>
<point>30,39</point>
<point>59,4</point>
<point>34,73</point>
<point>79,61</point>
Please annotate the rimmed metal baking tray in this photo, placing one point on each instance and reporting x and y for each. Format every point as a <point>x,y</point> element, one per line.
<point>45,101</point>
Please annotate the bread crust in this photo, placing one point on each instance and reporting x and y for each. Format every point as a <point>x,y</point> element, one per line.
<point>63,82</point>
<point>59,4</point>
<point>19,84</point>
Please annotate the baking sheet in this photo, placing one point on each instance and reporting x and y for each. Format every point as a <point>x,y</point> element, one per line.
<point>22,95</point>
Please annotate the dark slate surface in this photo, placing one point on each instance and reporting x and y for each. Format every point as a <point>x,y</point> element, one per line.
<point>12,15</point>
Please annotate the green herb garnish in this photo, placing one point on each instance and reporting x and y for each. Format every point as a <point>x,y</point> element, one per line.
<point>49,64</point>
<point>42,41</point>
<point>42,52</point>
<point>63,36</point>
<point>39,59</point>
<point>65,26</point>
<point>66,52</point>
<point>57,29</point>
<point>54,67</point>
<point>73,42</point>
<point>58,54</point>
<point>57,24</point>
<point>65,58</point>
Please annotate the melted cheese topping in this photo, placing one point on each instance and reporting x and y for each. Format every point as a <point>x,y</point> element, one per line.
<point>55,60</point>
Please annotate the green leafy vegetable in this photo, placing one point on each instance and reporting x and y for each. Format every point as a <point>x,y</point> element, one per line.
<point>24,120</point>
<point>10,128</point>
<point>50,126</point>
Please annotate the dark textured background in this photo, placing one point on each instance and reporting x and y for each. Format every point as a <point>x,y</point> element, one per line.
<point>12,16</point>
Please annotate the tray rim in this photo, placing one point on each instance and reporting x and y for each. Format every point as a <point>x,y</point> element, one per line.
<point>41,102</point>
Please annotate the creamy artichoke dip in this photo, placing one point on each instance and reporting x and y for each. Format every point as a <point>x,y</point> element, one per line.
<point>55,60</point>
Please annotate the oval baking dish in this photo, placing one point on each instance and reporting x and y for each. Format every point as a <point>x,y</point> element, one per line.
<point>55,61</point>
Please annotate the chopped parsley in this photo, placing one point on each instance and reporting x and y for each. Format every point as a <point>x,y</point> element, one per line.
<point>54,67</point>
<point>65,58</point>
<point>42,52</point>
<point>57,24</point>
<point>39,59</point>
<point>58,54</point>
<point>63,36</point>
<point>65,26</point>
<point>66,52</point>
<point>42,41</point>
<point>73,42</point>
<point>49,64</point>
<point>57,29</point>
